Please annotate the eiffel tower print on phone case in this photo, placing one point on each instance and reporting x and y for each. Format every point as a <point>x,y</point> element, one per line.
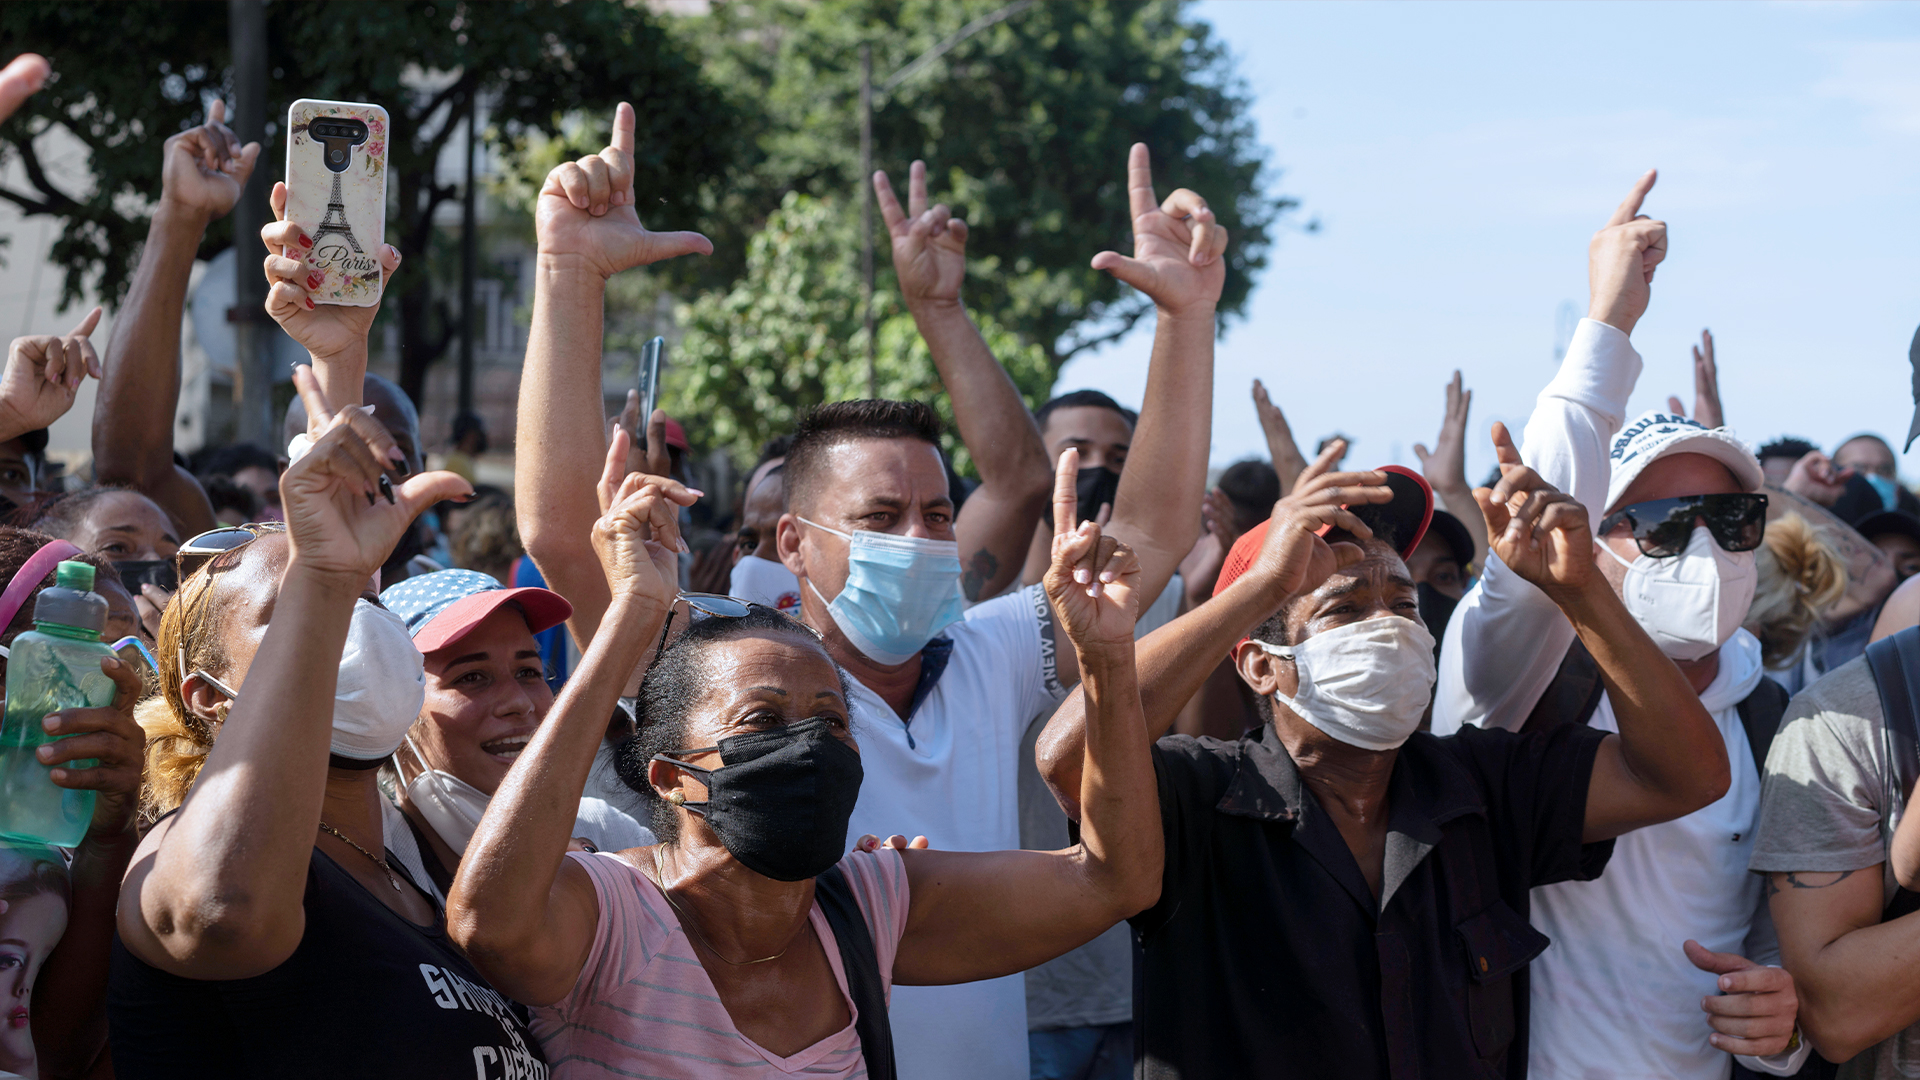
<point>337,194</point>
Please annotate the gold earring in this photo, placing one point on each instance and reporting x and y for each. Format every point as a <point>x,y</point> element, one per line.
<point>676,798</point>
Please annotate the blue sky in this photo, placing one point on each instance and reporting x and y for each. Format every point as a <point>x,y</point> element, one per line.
<point>1459,156</point>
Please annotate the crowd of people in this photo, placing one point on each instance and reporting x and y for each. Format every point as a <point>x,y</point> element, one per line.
<point>1090,767</point>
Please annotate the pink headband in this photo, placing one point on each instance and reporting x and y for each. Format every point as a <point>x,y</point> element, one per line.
<point>29,577</point>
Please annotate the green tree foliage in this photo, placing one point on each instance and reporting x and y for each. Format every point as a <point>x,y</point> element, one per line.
<point>1024,127</point>
<point>127,75</point>
<point>788,335</point>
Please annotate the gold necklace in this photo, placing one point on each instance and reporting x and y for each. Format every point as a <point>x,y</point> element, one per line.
<point>377,861</point>
<point>660,876</point>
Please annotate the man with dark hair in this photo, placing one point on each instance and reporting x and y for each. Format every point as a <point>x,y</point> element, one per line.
<point>247,466</point>
<point>1252,486</point>
<point>1777,458</point>
<point>1101,429</point>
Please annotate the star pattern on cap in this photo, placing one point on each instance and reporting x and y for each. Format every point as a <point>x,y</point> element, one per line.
<point>418,599</point>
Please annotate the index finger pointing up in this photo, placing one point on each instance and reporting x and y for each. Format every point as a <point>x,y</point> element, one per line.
<point>319,409</point>
<point>1630,205</point>
<point>87,324</point>
<point>889,205</point>
<point>623,128</point>
<point>1140,198</point>
<point>1066,496</point>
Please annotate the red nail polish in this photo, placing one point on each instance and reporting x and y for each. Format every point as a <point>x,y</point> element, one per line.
<point>314,280</point>
<point>304,242</point>
<point>309,303</point>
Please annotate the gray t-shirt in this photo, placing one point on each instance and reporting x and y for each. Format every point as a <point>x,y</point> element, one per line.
<point>1830,803</point>
<point>1093,984</point>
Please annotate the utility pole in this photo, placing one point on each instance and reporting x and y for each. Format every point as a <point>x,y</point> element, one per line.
<point>919,64</point>
<point>253,370</point>
<point>866,215</point>
<point>469,257</point>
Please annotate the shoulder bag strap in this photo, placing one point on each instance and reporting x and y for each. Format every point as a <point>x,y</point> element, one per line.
<point>1760,714</point>
<point>834,894</point>
<point>1894,660</point>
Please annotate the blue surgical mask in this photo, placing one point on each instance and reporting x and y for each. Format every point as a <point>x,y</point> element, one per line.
<point>900,592</point>
<point>1886,488</point>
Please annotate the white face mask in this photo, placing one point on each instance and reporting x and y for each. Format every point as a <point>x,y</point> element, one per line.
<point>1692,603</point>
<point>1366,684</point>
<point>382,685</point>
<point>764,581</point>
<point>451,806</point>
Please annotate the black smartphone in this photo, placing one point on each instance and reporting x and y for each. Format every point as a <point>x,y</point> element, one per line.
<point>137,572</point>
<point>649,384</point>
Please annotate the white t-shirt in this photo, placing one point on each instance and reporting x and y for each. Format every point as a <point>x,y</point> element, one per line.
<point>949,774</point>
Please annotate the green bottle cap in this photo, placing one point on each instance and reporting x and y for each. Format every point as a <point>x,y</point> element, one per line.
<point>77,576</point>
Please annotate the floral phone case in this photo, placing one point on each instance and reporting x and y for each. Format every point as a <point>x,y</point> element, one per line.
<point>337,194</point>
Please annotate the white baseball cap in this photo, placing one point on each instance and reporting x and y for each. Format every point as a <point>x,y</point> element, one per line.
<point>1656,434</point>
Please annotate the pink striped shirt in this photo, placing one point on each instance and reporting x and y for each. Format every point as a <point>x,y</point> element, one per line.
<point>644,1007</point>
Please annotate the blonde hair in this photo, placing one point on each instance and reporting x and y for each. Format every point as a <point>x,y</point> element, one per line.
<point>1801,577</point>
<point>177,739</point>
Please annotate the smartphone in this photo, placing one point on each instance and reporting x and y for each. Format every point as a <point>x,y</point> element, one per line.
<point>649,383</point>
<point>137,572</point>
<point>337,193</point>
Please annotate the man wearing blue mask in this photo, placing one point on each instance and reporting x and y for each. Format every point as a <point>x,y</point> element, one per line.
<point>1869,457</point>
<point>941,701</point>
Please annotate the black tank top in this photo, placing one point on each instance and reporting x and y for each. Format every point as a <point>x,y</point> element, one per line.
<point>366,994</point>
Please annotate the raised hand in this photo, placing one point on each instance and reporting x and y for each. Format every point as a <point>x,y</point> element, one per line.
<point>1091,580</point>
<point>43,374</point>
<point>344,513</point>
<point>1177,246</point>
<point>1539,531</point>
<point>1285,453</point>
<point>325,330</point>
<point>1706,386</point>
<point>929,245</point>
<point>1446,464</point>
<point>648,455</point>
<point>110,736</point>
<point>638,538</point>
<point>203,169</point>
<point>586,211</point>
<point>1755,1011</point>
<point>1817,479</point>
<point>22,78</point>
<point>1621,259</point>
<point>1295,558</point>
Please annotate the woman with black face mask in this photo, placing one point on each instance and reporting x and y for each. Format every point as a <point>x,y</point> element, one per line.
<point>749,937</point>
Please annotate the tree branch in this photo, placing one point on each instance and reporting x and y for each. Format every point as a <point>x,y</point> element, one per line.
<point>25,203</point>
<point>1127,323</point>
<point>57,200</point>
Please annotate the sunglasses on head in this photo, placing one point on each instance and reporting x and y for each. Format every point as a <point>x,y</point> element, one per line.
<point>702,606</point>
<point>1662,527</point>
<point>204,548</point>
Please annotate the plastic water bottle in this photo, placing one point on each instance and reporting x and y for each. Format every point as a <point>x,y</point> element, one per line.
<point>54,666</point>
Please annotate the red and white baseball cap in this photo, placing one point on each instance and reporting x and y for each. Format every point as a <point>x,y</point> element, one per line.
<point>1403,522</point>
<point>440,608</point>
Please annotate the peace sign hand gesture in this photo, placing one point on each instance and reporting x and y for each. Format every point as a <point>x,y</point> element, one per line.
<point>1177,247</point>
<point>929,245</point>
<point>586,211</point>
<point>344,513</point>
<point>1092,579</point>
<point>1540,532</point>
<point>43,375</point>
<point>1621,259</point>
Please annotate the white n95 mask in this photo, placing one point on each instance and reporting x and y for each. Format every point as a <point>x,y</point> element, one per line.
<point>1692,603</point>
<point>451,806</point>
<point>1366,683</point>
<point>382,685</point>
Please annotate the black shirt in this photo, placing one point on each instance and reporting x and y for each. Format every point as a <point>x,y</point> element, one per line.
<point>365,994</point>
<point>1267,955</point>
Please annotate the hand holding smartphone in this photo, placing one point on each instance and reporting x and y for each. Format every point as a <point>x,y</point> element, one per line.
<point>337,194</point>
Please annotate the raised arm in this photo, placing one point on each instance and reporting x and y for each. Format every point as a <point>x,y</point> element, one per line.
<point>1445,467</point>
<point>588,230</point>
<point>930,261</point>
<point>216,891</point>
<point>524,913</point>
<point>1706,386</point>
<point>1284,452</point>
<point>1177,658</point>
<point>1668,759</point>
<point>43,374</point>
<point>334,335</point>
<point>980,915</point>
<point>201,174</point>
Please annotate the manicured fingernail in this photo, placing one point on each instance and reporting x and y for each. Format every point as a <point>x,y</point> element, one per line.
<point>314,280</point>
<point>304,242</point>
<point>369,496</point>
<point>696,493</point>
<point>1107,576</point>
<point>1726,983</point>
<point>309,303</point>
<point>386,488</point>
<point>45,754</point>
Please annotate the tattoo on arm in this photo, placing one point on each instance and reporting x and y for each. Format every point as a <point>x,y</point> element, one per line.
<point>1806,879</point>
<point>980,570</point>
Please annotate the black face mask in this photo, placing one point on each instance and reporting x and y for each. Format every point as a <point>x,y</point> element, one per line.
<point>781,799</point>
<point>136,572</point>
<point>1093,487</point>
<point>1436,608</point>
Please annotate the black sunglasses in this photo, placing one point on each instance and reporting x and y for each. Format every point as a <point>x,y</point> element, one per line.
<point>202,549</point>
<point>706,605</point>
<point>1662,527</point>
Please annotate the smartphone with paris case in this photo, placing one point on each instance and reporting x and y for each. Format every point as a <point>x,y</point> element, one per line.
<point>337,194</point>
